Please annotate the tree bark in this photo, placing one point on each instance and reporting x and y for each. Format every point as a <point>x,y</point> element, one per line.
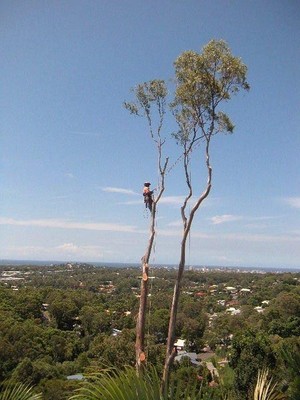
<point>141,358</point>
<point>187,222</point>
<point>141,319</point>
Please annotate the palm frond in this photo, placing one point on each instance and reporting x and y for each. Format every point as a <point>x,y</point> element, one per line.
<point>19,391</point>
<point>264,389</point>
<point>110,384</point>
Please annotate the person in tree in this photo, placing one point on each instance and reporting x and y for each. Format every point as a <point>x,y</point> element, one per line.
<point>148,195</point>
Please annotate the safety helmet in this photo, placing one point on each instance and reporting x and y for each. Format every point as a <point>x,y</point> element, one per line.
<point>147,184</point>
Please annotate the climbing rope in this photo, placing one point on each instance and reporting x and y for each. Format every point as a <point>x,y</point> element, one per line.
<point>180,158</point>
<point>174,164</point>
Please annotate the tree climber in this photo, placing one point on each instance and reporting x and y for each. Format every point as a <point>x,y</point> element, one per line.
<point>148,195</point>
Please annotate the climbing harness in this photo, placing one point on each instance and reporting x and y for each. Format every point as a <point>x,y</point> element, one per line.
<point>148,196</point>
<point>148,202</point>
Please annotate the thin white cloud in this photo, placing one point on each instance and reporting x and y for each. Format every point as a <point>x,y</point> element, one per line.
<point>69,175</point>
<point>221,219</point>
<point>164,200</point>
<point>178,233</point>
<point>59,252</point>
<point>110,189</point>
<point>177,223</point>
<point>169,232</point>
<point>176,200</point>
<point>168,200</point>
<point>293,201</point>
<point>68,247</point>
<point>253,222</point>
<point>66,224</point>
<point>82,251</point>
<point>263,238</point>
<point>290,237</point>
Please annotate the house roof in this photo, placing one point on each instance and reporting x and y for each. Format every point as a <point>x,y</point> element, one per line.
<point>192,356</point>
<point>180,343</point>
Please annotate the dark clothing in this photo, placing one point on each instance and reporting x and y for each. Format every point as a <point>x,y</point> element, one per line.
<point>148,199</point>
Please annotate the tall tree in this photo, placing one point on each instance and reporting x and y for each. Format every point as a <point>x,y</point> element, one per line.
<point>204,81</point>
<point>150,102</point>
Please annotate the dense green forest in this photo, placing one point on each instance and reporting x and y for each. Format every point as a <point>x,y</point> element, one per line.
<point>73,319</point>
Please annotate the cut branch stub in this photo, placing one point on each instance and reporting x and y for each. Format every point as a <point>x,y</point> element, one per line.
<point>145,272</point>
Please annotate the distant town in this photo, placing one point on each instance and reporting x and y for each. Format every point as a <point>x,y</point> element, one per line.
<point>59,321</point>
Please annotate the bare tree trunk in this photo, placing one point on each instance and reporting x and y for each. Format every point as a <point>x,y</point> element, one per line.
<point>148,95</point>
<point>141,319</point>
<point>187,222</point>
<point>171,351</point>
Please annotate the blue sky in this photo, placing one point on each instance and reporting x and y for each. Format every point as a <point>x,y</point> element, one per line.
<point>73,161</point>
